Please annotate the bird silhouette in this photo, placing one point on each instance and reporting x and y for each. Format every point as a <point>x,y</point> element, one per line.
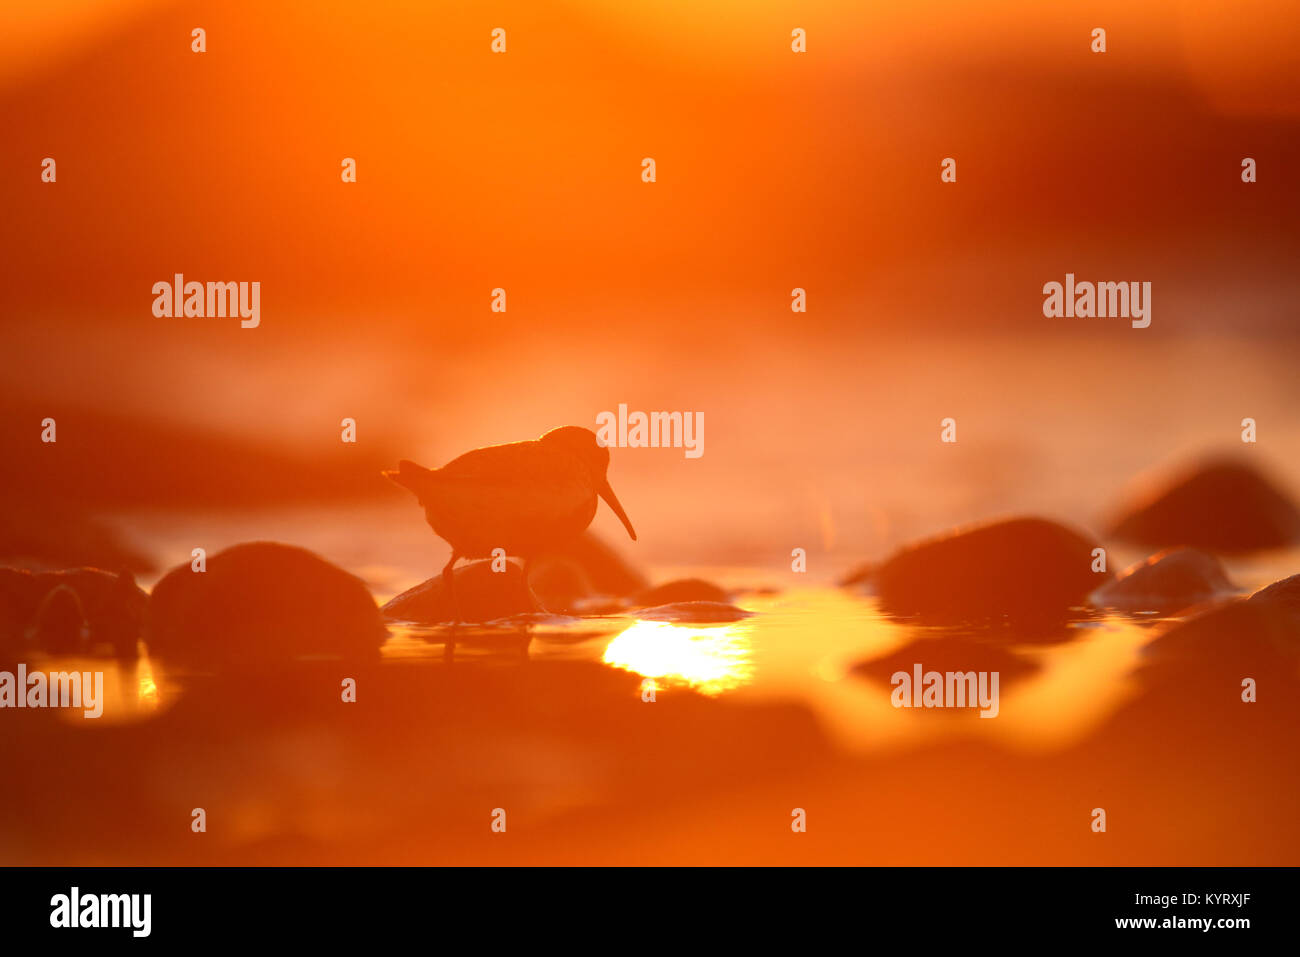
<point>522,497</point>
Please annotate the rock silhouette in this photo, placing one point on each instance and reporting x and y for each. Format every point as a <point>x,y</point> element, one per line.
<point>261,602</point>
<point>480,595</point>
<point>694,612</point>
<point>681,590</point>
<point>1222,505</point>
<point>1022,568</point>
<point>1258,638</point>
<point>16,608</point>
<point>1214,651</point>
<point>1165,582</point>
<point>1282,597</point>
<point>75,610</point>
<point>60,621</point>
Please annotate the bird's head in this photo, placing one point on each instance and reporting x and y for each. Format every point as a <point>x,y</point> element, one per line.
<point>581,444</point>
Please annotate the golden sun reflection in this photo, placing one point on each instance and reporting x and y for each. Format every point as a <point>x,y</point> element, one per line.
<point>710,660</point>
<point>147,692</point>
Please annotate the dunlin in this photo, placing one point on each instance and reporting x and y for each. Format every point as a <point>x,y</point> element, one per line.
<point>522,497</point>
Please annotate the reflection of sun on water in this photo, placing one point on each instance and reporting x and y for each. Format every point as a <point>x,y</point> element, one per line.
<point>710,660</point>
<point>147,687</point>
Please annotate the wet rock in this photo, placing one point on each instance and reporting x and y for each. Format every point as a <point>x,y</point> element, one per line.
<point>114,605</point>
<point>1024,568</point>
<point>60,621</point>
<point>261,602</point>
<point>1258,638</point>
<point>16,604</point>
<point>1282,597</point>
<point>1165,582</point>
<point>681,590</point>
<point>12,624</point>
<point>76,610</point>
<point>1220,647</point>
<point>1221,505</point>
<point>694,612</point>
<point>479,595</point>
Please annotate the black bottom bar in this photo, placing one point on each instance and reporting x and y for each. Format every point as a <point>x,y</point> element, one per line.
<point>333,905</point>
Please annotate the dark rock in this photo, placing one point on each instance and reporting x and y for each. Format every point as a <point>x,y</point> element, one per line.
<point>1282,597</point>
<point>694,612</point>
<point>44,605</point>
<point>478,594</point>
<point>17,605</point>
<point>1165,582</point>
<point>13,624</point>
<point>1221,505</point>
<point>1025,568</point>
<point>1216,649</point>
<point>1258,638</point>
<point>261,602</point>
<point>114,605</point>
<point>681,590</point>
<point>60,621</point>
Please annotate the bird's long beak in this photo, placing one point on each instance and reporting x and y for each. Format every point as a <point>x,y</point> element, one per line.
<point>607,493</point>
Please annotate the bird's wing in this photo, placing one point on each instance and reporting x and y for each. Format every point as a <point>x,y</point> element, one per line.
<point>517,458</point>
<point>503,485</point>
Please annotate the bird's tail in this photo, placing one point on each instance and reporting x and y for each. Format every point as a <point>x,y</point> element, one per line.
<point>410,476</point>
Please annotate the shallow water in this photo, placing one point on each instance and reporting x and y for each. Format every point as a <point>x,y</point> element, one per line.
<point>546,716</point>
<point>800,645</point>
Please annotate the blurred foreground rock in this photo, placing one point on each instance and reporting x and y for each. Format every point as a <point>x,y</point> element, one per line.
<point>1165,582</point>
<point>1222,505</point>
<point>694,613</point>
<point>480,595</point>
<point>1023,568</point>
<point>1256,638</point>
<point>261,602</point>
<point>680,590</point>
<point>73,611</point>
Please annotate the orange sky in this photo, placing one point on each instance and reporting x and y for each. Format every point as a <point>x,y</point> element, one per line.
<point>522,171</point>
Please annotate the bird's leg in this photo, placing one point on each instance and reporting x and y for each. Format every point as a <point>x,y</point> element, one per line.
<point>449,586</point>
